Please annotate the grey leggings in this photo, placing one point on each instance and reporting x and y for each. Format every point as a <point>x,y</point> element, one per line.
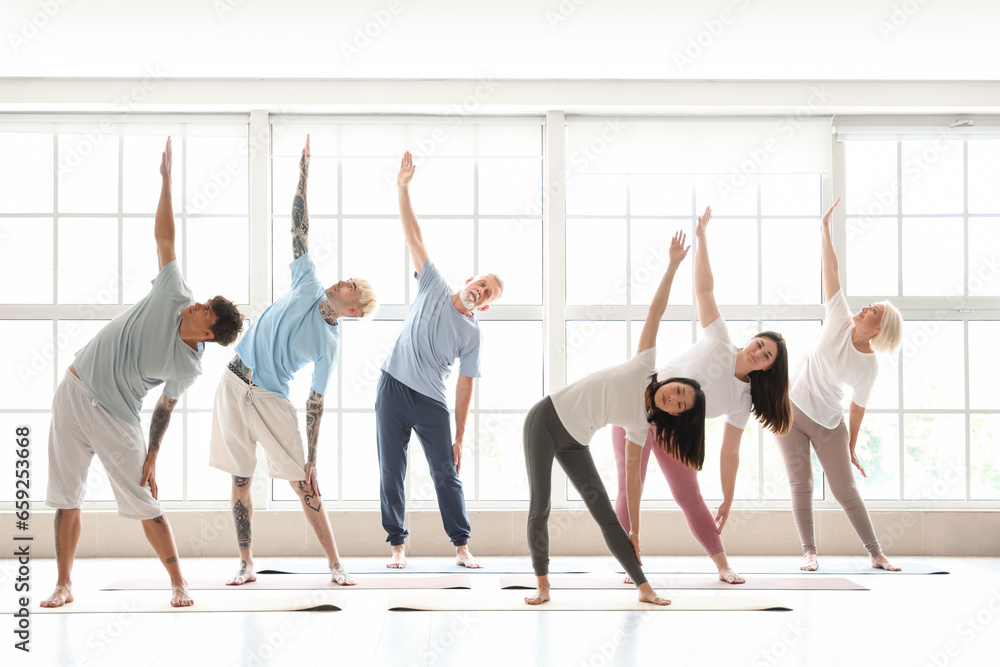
<point>832,447</point>
<point>546,438</point>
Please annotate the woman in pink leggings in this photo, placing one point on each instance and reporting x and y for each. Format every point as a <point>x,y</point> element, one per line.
<point>736,382</point>
<point>844,353</point>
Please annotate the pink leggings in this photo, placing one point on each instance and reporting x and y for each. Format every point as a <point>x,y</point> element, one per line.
<point>683,482</point>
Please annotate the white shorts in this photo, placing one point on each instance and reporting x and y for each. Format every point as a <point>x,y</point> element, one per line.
<point>82,427</point>
<point>243,415</point>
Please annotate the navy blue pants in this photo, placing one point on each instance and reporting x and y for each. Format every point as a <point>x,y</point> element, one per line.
<point>398,411</point>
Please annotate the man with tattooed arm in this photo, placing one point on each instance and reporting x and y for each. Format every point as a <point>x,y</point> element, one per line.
<point>96,407</point>
<point>252,402</point>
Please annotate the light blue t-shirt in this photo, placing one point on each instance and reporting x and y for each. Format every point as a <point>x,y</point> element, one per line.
<point>292,333</point>
<point>142,348</point>
<point>433,335</point>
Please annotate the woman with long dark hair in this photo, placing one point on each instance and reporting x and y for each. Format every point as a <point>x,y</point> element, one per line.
<point>736,382</point>
<point>561,425</point>
<point>843,354</point>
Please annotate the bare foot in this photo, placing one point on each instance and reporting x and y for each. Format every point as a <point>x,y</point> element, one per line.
<point>541,595</point>
<point>811,564</point>
<point>339,576</point>
<point>180,597</point>
<point>398,557</point>
<point>60,596</point>
<point>243,576</point>
<point>647,594</point>
<point>730,576</point>
<point>881,562</point>
<point>464,558</point>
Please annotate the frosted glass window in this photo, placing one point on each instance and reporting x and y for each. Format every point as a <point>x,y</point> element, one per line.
<point>360,460</point>
<point>510,186</point>
<point>934,457</point>
<point>727,194</point>
<point>650,252</point>
<point>511,365</point>
<point>933,365</point>
<point>27,364</point>
<point>203,481</point>
<point>442,187</point>
<point>512,249</point>
<point>218,258</point>
<point>596,195</point>
<point>217,175</point>
<point>364,348</point>
<point>733,254</point>
<point>140,263</point>
<point>369,186</point>
<point>26,260</point>
<point>88,173</point>
<point>673,337</point>
<point>387,139</point>
<point>88,260</point>
<point>383,263</point>
<point>38,436</point>
<point>592,345</point>
<point>984,174</point>
<point>799,337</point>
<point>872,186</point>
<point>790,258</point>
<point>323,248</point>
<point>595,262</point>
<point>878,451</point>
<point>932,176</point>
<point>984,373</point>
<point>885,393</point>
<point>937,243</point>
<point>746,479</point>
<point>28,179</point>
<point>214,363</point>
<point>321,189</point>
<point>502,474</point>
<point>872,256</point>
<point>985,457</point>
<point>141,180</point>
<point>661,195</point>
<point>790,194</point>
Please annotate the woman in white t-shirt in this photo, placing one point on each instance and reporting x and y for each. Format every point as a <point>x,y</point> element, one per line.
<point>737,382</point>
<point>561,425</point>
<point>844,353</point>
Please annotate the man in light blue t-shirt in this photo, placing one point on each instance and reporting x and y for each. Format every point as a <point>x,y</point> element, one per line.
<point>96,407</point>
<point>440,326</point>
<point>252,403</point>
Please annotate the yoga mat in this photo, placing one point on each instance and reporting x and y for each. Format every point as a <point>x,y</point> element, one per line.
<point>576,601</point>
<point>677,583</point>
<point>295,582</point>
<point>421,565</point>
<point>158,602</point>
<point>781,565</point>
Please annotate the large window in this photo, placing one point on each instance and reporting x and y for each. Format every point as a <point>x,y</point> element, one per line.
<point>472,180</point>
<point>77,248</point>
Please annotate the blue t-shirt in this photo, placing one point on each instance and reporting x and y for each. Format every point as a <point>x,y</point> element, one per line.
<point>433,335</point>
<point>141,348</point>
<point>292,333</point>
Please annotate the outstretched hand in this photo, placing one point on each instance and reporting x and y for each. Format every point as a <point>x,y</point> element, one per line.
<point>166,161</point>
<point>699,229</point>
<point>304,160</point>
<point>857,464</point>
<point>678,251</point>
<point>634,539</point>
<point>311,479</point>
<point>149,474</point>
<point>406,169</point>
<point>829,212</point>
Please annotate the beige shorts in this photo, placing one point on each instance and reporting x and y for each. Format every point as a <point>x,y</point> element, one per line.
<point>82,427</point>
<point>244,415</point>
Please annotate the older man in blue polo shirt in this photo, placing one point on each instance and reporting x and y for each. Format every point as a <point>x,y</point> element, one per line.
<point>440,326</point>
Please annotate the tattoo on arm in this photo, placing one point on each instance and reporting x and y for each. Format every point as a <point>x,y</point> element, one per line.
<point>300,215</point>
<point>161,419</point>
<point>241,481</point>
<point>314,411</point>
<point>242,518</point>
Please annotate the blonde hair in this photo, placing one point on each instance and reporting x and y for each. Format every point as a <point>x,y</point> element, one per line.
<point>366,301</point>
<point>890,332</point>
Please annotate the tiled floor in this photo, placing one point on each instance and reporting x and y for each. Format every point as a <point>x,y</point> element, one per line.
<point>937,620</point>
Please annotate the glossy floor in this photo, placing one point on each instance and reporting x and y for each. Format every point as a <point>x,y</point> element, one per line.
<point>937,620</point>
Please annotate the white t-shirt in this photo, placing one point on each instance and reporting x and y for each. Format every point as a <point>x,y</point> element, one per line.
<point>615,395</point>
<point>833,361</point>
<point>712,362</point>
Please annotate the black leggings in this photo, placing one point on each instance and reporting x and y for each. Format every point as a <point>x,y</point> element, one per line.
<point>546,438</point>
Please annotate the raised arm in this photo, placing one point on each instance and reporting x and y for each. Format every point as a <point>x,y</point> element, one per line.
<point>157,427</point>
<point>831,267</point>
<point>300,213</point>
<point>633,491</point>
<point>704,282</point>
<point>658,306</point>
<point>411,229</point>
<point>163,227</point>
<point>314,413</point>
